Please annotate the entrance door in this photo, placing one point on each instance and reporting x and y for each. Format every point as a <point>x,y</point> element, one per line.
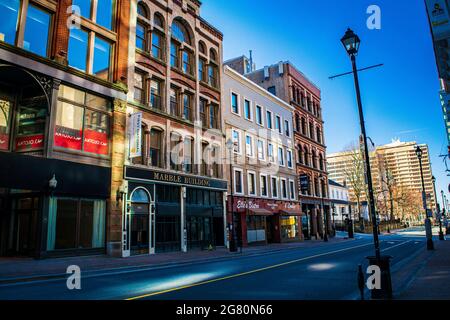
<point>139,223</point>
<point>219,235</point>
<point>25,224</point>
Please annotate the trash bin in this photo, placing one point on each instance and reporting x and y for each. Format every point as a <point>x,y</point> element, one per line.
<point>385,292</point>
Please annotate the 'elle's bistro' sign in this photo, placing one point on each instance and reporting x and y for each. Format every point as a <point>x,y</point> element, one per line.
<point>178,179</point>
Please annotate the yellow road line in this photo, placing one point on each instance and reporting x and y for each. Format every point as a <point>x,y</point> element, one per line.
<point>243,273</point>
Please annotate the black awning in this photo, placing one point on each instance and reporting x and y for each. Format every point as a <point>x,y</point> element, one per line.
<point>19,171</point>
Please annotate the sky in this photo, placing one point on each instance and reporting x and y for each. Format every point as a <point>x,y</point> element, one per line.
<point>400,99</point>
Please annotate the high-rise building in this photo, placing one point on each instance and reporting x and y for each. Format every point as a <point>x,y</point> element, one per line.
<point>395,174</point>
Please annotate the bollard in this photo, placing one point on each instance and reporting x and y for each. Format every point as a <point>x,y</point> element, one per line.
<point>361,281</point>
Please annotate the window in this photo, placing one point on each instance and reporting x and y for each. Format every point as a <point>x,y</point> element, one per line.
<point>156,155</point>
<point>259,119</point>
<point>216,161</point>
<point>234,103</point>
<point>188,155</point>
<point>289,158</point>
<point>201,69</point>
<point>76,224</point>
<point>272,90</point>
<point>311,130</point>
<point>203,111</point>
<point>155,94</point>
<point>274,186</point>
<point>251,184</point>
<point>263,182</point>
<point>103,11</point>
<point>141,36</point>
<point>180,33</point>
<point>102,57</point>
<point>214,116</point>
<point>186,62</point>
<point>205,159</point>
<point>278,124</point>
<point>260,150</point>
<point>269,120</point>
<point>238,182</point>
<point>174,61</point>
<point>284,192</point>
<point>78,49</point>
<point>37,30</point>
<point>237,141</point>
<point>286,128</point>
<point>292,189</point>
<point>180,36</point>
<point>280,156</point>
<point>176,148</point>
<point>139,87</point>
<point>212,76</point>
<point>247,110</point>
<point>174,101</point>
<point>9,11</point>
<point>270,153</point>
<point>5,114</point>
<point>157,45</point>
<point>318,135</point>
<point>82,122</point>
<point>187,107</point>
<point>249,146</point>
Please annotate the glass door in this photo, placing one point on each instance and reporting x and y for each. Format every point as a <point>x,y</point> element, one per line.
<point>25,226</point>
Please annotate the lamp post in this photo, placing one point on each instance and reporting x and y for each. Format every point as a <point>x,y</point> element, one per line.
<point>325,232</point>
<point>441,216</point>
<point>351,43</point>
<point>430,244</point>
<point>233,239</point>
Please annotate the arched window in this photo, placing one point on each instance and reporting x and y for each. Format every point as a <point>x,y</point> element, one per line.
<point>156,152</point>
<point>158,20</point>
<point>142,30</point>
<point>142,10</point>
<point>181,58</point>
<point>213,69</point>
<point>202,62</point>
<point>140,196</point>
<point>202,47</point>
<point>158,38</point>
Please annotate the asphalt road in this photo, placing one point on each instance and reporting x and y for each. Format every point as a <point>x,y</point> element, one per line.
<point>325,272</point>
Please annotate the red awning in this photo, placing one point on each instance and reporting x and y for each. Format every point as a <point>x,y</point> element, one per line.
<point>259,212</point>
<point>286,212</point>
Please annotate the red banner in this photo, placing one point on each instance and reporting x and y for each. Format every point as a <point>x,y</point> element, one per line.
<point>68,138</point>
<point>30,142</point>
<point>4,142</point>
<point>96,142</point>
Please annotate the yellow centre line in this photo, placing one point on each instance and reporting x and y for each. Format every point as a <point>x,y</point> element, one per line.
<point>243,273</point>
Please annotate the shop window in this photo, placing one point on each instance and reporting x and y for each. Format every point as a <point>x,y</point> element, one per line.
<point>32,113</point>
<point>167,194</point>
<point>289,227</point>
<point>5,114</point>
<point>82,122</point>
<point>156,154</point>
<point>76,224</point>
<point>167,233</point>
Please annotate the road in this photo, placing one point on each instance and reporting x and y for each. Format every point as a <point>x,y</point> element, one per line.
<point>325,272</point>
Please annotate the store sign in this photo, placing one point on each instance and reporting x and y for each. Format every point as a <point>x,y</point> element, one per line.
<point>68,138</point>
<point>135,135</point>
<point>439,18</point>
<point>243,204</point>
<point>4,142</point>
<point>96,142</point>
<point>30,142</point>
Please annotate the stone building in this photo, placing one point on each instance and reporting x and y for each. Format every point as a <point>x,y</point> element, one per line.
<point>172,195</point>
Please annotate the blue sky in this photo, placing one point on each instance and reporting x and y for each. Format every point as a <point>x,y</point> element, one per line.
<point>400,100</point>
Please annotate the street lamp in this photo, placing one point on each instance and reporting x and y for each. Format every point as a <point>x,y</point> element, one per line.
<point>430,244</point>
<point>351,44</point>
<point>233,241</point>
<point>441,215</point>
<point>325,236</point>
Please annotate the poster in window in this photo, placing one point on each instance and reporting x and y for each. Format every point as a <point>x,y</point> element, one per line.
<point>96,142</point>
<point>135,135</point>
<point>68,138</point>
<point>29,143</point>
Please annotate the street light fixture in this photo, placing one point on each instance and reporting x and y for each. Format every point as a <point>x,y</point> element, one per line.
<point>430,244</point>
<point>351,43</point>
<point>441,216</point>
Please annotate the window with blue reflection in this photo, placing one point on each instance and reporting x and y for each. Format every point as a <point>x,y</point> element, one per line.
<point>180,33</point>
<point>37,30</point>
<point>85,7</point>
<point>105,13</point>
<point>101,61</point>
<point>78,49</point>
<point>9,13</point>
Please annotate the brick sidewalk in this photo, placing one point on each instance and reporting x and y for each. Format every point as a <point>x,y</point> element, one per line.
<point>23,269</point>
<point>432,282</point>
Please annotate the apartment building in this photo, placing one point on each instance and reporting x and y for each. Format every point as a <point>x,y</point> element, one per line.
<point>395,166</point>
<point>63,71</point>
<point>263,204</point>
<point>172,186</point>
<point>289,84</point>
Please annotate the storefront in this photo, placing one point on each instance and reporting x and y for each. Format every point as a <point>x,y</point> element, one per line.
<point>262,221</point>
<point>167,212</point>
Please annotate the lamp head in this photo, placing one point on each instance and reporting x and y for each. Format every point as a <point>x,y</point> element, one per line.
<point>351,42</point>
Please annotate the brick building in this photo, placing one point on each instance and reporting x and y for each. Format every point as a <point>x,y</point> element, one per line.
<point>292,86</point>
<point>63,83</point>
<point>172,188</point>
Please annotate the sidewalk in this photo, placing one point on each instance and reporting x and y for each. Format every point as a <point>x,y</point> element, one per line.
<point>27,269</point>
<point>432,281</point>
